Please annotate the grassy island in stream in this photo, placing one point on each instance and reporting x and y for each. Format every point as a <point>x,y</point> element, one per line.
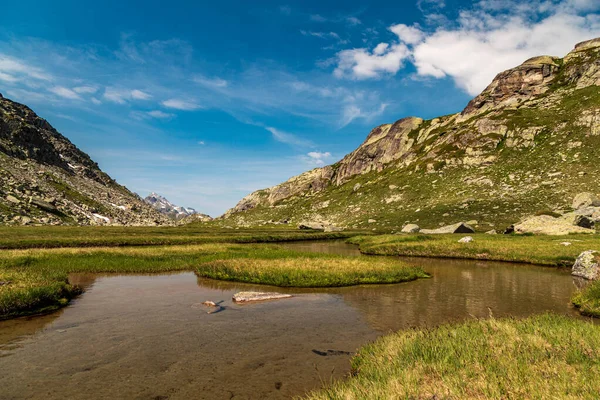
<point>541,357</point>
<point>36,280</point>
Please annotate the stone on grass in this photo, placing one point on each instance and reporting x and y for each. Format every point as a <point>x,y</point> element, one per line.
<point>244,297</point>
<point>585,200</point>
<point>411,228</point>
<point>565,243</point>
<point>466,239</point>
<point>548,225</point>
<point>331,228</point>
<point>460,227</point>
<point>492,232</point>
<point>586,265</point>
<point>317,226</point>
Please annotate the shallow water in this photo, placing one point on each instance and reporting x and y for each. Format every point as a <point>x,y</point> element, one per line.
<point>149,336</point>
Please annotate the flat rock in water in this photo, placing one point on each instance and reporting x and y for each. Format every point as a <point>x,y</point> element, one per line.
<point>243,297</point>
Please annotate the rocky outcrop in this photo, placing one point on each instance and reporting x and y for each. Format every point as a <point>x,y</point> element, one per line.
<point>548,225</point>
<point>46,179</point>
<point>460,227</point>
<point>587,265</point>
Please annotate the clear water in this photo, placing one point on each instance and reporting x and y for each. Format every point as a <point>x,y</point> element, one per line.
<point>148,337</point>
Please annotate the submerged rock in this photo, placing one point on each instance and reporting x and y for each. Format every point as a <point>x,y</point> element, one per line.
<point>243,297</point>
<point>411,228</point>
<point>587,265</point>
<point>460,227</point>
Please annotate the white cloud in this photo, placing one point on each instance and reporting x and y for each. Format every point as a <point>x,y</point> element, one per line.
<point>64,92</point>
<point>7,77</point>
<point>318,158</point>
<point>364,64</point>
<point>160,114</point>
<point>121,96</point>
<point>201,143</point>
<point>139,95</point>
<point>317,18</point>
<point>353,21</point>
<point>285,10</point>
<point>352,111</point>
<point>288,138</point>
<point>491,37</point>
<point>322,35</point>
<point>211,82</point>
<point>14,66</point>
<point>85,89</point>
<point>180,104</point>
<point>95,101</point>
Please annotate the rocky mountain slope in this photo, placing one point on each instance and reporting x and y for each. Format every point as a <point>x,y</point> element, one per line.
<point>527,144</point>
<point>172,211</point>
<point>46,179</point>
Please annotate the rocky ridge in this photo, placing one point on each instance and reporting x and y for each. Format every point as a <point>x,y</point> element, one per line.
<point>46,179</point>
<point>173,211</point>
<point>525,144</point>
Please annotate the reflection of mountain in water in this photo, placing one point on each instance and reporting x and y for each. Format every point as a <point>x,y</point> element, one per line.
<point>462,289</point>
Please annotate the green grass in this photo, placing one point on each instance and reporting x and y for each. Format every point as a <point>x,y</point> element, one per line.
<point>35,280</point>
<point>297,270</point>
<point>543,250</point>
<point>587,300</point>
<point>541,357</point>
<point>25,237</point>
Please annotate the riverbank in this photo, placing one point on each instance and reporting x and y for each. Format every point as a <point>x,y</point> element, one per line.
<point>546,356</point>
<point>36,280</point>
<point>556,251</point>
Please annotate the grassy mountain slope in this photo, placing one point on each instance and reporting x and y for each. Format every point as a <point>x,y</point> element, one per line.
<point>526,144</point>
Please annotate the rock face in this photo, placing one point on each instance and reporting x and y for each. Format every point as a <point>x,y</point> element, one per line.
<point>548,225</point>
<point>164,206</point>
<point>46,179</point>
<point>524,145</point>
<point>245,297</point>
<point>460,227</point>
<point>587,265</point>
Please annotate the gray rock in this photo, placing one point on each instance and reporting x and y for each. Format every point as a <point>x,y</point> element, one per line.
<point>244,297</point>
<point>548,225</point>
<point>356,187</point>
<point>466,239</point>
<point>411,228</point>
<point>460,227</point>
<point>492,232</point>
<point>41,204</point>
<point>13,199</point>
<point>586,265</point>
<point>317,226</point>
<point>331,228</point>
<point>585,200</point>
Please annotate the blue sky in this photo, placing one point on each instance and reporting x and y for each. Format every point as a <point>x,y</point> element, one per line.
<point>205,102</point>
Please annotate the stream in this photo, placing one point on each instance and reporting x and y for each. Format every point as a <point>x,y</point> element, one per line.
<point>149,336</point>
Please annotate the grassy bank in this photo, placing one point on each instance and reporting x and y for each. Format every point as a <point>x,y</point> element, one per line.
<point>543,250</point>
<point>301,271</point>
<point>37,279</point>
<point>587,300</point>
<point>541,357</point>
<point>25,237</point>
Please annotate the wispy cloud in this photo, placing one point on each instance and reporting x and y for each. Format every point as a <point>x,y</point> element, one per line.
<point>85,89</point>
<point>210,82</point>
<point>318,158</point>
<point>121,96</point>
<point>288,138</point>
<point>65,92</point>
<point>181,104</point>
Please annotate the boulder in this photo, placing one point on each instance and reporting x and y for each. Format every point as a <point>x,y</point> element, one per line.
<point>492,232</point>
<point>317,226</point>
<point>411,228</point>
<point>586,265</point>
<point>548,225</point>
<point>460,227</point>
<point>466,239</point>
<point>585,200</point>
<point>509,230</point>
<point>244,297</point>
<point>41,204</point>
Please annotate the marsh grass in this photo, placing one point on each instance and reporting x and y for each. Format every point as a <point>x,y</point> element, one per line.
<point>302,271</point>
<point>37,279</point>
<point>24,237</point>
<point>542,250</point>
<point>541,357</point>
<point>587,300</point>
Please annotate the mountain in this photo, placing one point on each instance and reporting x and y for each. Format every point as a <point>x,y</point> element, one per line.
<point>46,179</point>
<point>527,144</point>
<point>172,211</point>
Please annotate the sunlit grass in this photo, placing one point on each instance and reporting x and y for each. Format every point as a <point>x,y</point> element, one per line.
<point>542,357</point>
